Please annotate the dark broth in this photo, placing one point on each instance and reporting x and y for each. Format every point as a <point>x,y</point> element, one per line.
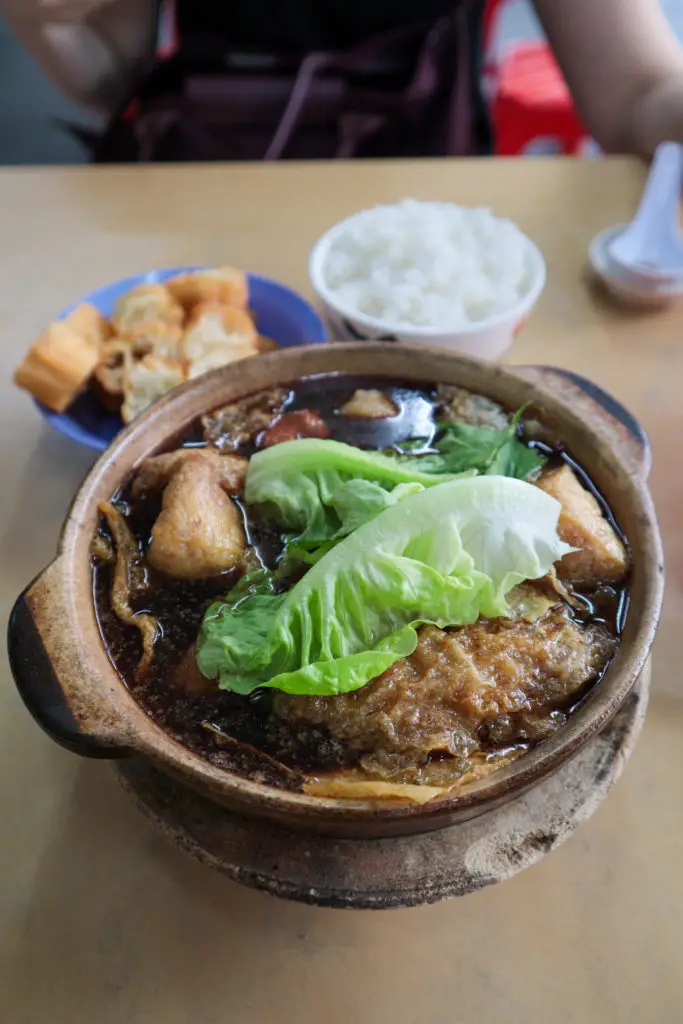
<point>240,733</point>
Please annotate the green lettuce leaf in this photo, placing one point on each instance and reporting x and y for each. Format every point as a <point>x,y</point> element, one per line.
<point>320,491</point>
<point>300,479</point>
<point>350,504</point>
<point>445,555</point>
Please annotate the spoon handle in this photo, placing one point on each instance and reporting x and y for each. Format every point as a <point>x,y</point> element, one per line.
<point>658,209</point>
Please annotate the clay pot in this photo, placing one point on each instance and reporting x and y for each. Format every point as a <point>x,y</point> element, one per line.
<point>69,684</point>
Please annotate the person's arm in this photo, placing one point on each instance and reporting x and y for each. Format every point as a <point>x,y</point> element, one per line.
<point>624,67</point>
<point>88,48</point>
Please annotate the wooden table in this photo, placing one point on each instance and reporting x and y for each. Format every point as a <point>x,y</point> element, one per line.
<point>100,921</point>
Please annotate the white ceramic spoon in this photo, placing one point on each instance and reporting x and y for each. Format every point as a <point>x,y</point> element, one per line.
<point>652,243</point>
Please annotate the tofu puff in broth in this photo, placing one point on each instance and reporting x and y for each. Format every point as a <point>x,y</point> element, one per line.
<point>358,588</point>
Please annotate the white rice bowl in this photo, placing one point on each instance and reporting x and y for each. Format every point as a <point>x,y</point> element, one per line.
<point>427,265</point>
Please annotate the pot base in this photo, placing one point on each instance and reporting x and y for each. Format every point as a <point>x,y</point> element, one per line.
<point>403,872</point>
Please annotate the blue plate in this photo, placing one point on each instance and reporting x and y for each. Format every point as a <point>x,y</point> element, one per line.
<point>281,314</point>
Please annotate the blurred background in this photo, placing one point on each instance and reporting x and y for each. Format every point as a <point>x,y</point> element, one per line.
<point>33,114</point>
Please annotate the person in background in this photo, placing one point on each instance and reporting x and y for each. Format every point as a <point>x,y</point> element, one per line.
<point>621,60</point>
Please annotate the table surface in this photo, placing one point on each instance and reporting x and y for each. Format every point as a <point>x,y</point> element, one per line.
<point>102,921</point>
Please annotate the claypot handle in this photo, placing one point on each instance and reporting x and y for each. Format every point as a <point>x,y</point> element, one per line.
<point>48,668</point>
<point>572,387</point>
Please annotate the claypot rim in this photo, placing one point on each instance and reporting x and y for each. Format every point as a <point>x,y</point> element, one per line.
<point>133,731</point>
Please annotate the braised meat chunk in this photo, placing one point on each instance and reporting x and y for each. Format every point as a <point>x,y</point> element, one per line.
<point>199,531</point>
<point>601,556</point>
<point>155,472</point>
<point>369,404</point>
<point>240,422</point>
<point>506,666</point>
<point>435,701</point>
<point>293,426</point>
<point>461,406</point>
<point>531,601</point>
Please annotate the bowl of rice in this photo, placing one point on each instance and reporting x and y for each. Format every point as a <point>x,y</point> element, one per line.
<point>459,277</point>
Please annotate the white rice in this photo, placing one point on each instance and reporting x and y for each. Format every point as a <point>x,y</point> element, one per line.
<point>423,264</point>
